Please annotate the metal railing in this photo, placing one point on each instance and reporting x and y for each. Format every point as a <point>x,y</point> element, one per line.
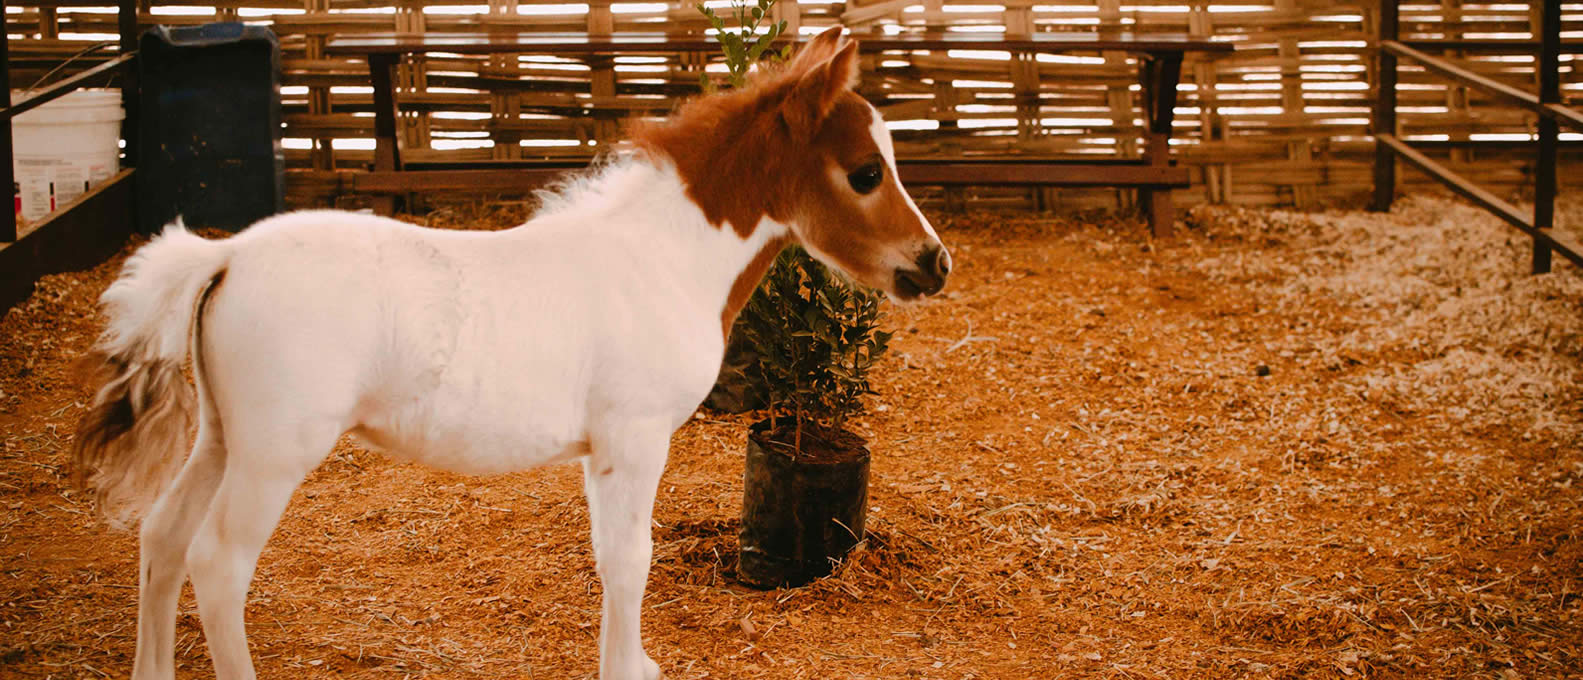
<point>93,226</point>
<point>1547,104</point>
<point>123,65</point>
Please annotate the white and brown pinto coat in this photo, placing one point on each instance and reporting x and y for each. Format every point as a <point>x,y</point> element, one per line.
<point>590,333</point>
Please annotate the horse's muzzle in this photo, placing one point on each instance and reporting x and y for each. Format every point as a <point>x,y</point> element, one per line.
<point>933,265</point>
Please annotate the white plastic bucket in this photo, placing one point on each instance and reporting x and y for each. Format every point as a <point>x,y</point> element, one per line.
<point>65,147</point>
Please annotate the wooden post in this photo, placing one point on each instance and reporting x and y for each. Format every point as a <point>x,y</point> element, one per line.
<point>126,22</point>
<point>602,74</point>
<point>1159,74</point>
<point>1024,73</point>
<point>1457,99</point>
<point>387,149</point>
<point>1118,96</point>
<point>1549,68</point>
<point>1385,109</point>
<point>1199,26</point>
<point>505,107</point>
<point>946,99</point>
<point>1025,87</point>
<point>48,25</point>
<point>413,75</point>
<point>791,13</point>
<point>8,175</point>
<point>934,19</point>
<point>408,74</point>
<point>323,154</point>
<point>1300,151</point>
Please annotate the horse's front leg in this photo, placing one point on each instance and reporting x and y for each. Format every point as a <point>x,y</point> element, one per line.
<point>621,477</point>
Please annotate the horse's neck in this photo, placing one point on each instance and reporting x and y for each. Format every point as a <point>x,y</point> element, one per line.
<point>642,210</point>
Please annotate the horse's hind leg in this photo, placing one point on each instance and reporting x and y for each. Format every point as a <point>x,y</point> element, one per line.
<point>263,467</point>
<point>165,535</point>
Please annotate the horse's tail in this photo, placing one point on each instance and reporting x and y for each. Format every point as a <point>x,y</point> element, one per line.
<point>134,433</point>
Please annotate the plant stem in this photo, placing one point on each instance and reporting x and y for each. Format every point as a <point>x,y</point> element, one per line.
<point>797,439</point>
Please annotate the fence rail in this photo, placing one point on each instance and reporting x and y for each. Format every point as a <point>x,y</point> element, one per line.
<point>1284,120</point>
<point>93,226</point>
<point>1546,53</point>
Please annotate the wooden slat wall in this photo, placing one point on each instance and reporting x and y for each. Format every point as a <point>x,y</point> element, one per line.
<point>1283,121</point>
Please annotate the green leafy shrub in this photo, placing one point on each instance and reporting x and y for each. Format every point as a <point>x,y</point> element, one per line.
<point>812,337</point>
<point>804,343</point>
<point>744,46</point>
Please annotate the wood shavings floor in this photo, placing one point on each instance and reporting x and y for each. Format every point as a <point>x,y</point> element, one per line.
<point>1281,445</point>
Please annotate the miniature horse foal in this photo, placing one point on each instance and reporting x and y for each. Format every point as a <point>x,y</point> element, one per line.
<point>589,333</point>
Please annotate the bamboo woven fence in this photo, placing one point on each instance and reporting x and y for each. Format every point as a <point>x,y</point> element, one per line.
<point>1282,121</point>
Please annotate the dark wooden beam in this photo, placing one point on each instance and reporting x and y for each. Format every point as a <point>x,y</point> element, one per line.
<point>8,175</point>
<point>64,87</point>
<point>131,97</point>
<point>522,179</point>
<point>580,43</point>
<point>1488,145</point>
<point>502,164</point>
<point>1492,45</point>
<point>387,148</point>
<point>1564,245</point>
<point>386,182</point>
<point>1385,109</point>
<point>1051,174</point>
<point>1549,68</point>
<point>1564,114</point>
<point>1511,94</point>
<point>79,235</point>
<point>1159,75</point>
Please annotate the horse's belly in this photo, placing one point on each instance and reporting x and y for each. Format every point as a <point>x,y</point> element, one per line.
<point>471,455</point>
<point>474,440</point>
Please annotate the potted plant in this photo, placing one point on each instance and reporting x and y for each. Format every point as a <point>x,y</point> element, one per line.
<point>813,338</point>
<point>802,348</point>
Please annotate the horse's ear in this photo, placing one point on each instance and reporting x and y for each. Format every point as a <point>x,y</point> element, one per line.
<point>817,90</point>
<point>817,50</point>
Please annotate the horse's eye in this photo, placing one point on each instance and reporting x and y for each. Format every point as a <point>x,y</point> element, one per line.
<point>866,178</point>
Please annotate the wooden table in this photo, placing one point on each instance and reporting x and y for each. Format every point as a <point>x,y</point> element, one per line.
<point>1154,175</point>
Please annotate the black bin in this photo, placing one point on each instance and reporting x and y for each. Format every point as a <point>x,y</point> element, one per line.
<point>209,143</point>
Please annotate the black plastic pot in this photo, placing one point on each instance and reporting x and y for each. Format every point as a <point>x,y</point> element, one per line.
<point>800,513</point>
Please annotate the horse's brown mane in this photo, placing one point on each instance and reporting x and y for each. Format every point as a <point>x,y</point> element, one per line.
<point>718,144</point>
<point>745,154</point>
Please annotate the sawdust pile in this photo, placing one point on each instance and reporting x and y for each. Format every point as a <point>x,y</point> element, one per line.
<point>1444,286</point>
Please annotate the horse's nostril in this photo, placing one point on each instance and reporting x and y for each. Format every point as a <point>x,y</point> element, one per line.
<point>935,261</point>
<point>933,264</point>
<point>911,283</point>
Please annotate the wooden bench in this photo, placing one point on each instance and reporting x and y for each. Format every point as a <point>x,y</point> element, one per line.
<point>1154,174</point>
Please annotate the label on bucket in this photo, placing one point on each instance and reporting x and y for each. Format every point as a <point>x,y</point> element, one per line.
<point>71,180</point>
<point>35,198</point>
<point>46,184</point>
<point>35,176</point>
<point>98,171</point>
